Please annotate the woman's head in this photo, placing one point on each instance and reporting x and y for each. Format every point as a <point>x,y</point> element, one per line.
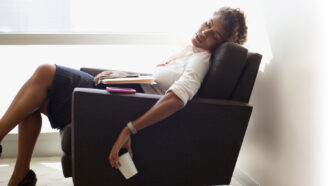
<point>226,24</point>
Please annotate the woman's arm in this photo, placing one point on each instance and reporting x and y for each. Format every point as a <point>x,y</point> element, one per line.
<point>166,106</point>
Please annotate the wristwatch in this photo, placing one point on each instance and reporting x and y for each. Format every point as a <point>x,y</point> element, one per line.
<point>131,127</point>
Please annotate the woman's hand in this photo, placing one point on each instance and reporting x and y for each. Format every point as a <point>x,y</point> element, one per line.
<point>104,73</point>
<point>108,73</point>
<point>123,141</point>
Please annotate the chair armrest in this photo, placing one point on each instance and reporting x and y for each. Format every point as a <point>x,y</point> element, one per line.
<point>197,145</point>
<point>95,71</point>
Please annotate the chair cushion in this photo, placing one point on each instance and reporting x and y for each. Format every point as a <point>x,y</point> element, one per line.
<point>66,139</point>
<point>66,165</point>
<point>227,64</point>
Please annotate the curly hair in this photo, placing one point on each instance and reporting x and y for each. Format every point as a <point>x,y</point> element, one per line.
<point>233,21</point>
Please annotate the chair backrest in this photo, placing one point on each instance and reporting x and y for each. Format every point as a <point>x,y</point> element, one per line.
<point>244,86</point>
<point>232,73</point>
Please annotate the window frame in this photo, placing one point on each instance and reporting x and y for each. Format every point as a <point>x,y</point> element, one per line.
<point>88,39</point>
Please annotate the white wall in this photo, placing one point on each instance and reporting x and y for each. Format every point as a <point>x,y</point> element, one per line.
<point>284,143</point>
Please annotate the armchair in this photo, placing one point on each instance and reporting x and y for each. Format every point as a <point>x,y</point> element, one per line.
<point>198,145</point>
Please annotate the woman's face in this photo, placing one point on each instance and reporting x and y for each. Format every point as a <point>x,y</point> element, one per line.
<point>210,34</point>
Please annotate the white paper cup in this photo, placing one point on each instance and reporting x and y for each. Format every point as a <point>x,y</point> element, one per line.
<point>127,167</point>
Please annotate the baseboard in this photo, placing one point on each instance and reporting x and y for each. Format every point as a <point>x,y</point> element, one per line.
<point>243,178</point>
<point>48,144</point>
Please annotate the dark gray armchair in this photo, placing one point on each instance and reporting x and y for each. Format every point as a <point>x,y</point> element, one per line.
<point>198,145</point>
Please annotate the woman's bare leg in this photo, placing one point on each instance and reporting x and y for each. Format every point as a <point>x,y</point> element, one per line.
<point>28,132</point>
<point>29,99</point>
<point>25,109</point>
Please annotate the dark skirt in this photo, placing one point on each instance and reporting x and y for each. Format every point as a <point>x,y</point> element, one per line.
<point>60,93</point>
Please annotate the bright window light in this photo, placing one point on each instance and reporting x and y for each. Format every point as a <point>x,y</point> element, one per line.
<point>128,16</point>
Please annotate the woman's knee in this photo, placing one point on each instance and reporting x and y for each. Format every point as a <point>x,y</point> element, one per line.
<point>45,69</point>
<point>45,73</point>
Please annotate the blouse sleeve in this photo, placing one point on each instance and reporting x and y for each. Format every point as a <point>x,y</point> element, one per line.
<point>190,81</point>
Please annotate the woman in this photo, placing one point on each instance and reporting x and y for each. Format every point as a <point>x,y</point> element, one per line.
<point>49,91</point>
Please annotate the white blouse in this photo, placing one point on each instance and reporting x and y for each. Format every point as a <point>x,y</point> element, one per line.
<point>182,75</point>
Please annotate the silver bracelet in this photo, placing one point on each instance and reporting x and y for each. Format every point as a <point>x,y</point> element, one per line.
<point>131,127</point>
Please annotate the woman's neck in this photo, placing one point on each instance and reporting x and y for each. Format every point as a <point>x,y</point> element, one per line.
<point>197,50</point>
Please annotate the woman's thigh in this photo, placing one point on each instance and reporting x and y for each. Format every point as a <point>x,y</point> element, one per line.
<point>43,108</point>
<point>58,107</point>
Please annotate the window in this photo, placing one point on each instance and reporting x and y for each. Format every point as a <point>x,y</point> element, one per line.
<point>95,16</point>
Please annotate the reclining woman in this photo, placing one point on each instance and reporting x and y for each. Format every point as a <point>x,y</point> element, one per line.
<point>49,91</point>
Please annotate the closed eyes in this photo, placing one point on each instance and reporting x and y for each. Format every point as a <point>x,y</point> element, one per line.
<point>209,24</point>
<point>216,32</point>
